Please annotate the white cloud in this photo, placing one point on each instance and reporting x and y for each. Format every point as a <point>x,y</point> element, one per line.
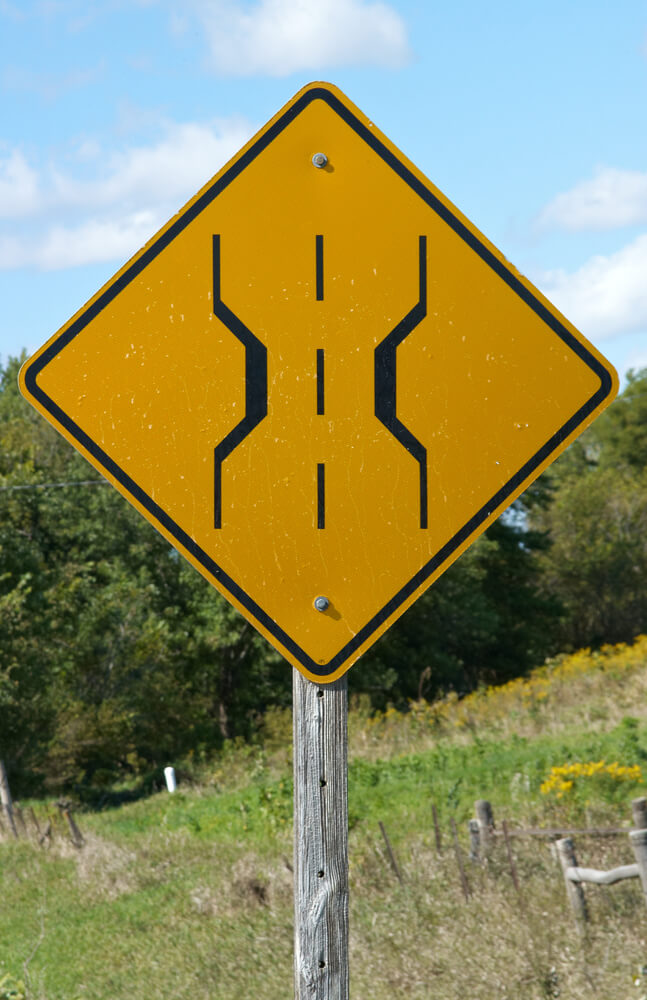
<point>175,167</point>
<point>607,296</point>
<point>636,361</point>
<point>107,206</point>
<point>610,199</point>
<point>87,243</point>
<point>279,37</point>
<point>18,186</point>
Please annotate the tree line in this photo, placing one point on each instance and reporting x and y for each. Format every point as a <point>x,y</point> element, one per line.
<point>116,657</point>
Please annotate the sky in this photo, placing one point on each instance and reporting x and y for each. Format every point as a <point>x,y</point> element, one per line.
<point>530,118</point>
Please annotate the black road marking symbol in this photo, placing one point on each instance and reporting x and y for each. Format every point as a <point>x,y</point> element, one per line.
<point>319,267</point>
<point>386,381</point>
<point>320,381</point>
<point>255,384</point>
<point>321,469</point>
<point>321,495</point>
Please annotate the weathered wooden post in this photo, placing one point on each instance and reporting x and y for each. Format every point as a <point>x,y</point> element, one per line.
<point>5,799</point>
<point>485,818</point>
<point>34,820</point>
<point>475,839</point>
<point>638,840</point>
<point>320,839</point>
<point>18,814</point>
<point>459,861</point>
<point>75,834</point>
<point>437,837</point>
<point>46,835</point>
<point>639,813</point>
<point>574,890</point>
<point>392,858</point>
<point>511,862</point>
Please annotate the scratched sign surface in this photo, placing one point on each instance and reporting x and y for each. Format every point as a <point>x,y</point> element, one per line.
<point>319,381</point>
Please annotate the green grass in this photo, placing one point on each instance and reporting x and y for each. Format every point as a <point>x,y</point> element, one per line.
<point>399,790</point>
<point>189,895</point>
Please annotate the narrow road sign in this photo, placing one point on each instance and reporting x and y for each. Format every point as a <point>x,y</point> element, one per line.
<point>320,382</point>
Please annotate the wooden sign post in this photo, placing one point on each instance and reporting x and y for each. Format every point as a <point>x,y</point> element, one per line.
<point>320,839</point>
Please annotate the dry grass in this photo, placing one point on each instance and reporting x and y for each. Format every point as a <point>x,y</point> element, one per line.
<point>188,897</point>
<point>104,870</point>
<point>221,927</point>
<point>426,942</point>
<point>167,917</point>
<point>581,690</point>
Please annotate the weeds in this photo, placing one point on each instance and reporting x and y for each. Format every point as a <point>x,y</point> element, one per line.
<point>188,896</point>
<point>594,776</point>
<point>12,989</point>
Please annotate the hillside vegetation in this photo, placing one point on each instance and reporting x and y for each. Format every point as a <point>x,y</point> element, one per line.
<point>188,896</point>
<point>115,655</point>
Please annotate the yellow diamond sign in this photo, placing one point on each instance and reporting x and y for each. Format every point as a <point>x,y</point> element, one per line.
<point>319,380</point>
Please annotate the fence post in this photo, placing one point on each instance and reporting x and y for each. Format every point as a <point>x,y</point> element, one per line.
<point>638,840</point>
<point>639,813</point>
<point>459,861</point>
<point>34,821</point>
<point>434,813</point>
<point>475,839</point>
<point>485,818</point>
<point>17,811</point>
<point>513,867</point>
<point>5,799</point>
<point>392,857</point>
<point>75,833</point>
<point>46,835</point>
<point>574,890</point>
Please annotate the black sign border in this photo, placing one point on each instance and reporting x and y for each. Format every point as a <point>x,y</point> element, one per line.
<point>33,369</point>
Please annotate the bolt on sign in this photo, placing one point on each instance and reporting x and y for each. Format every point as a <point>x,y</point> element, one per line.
<point>320,382</point>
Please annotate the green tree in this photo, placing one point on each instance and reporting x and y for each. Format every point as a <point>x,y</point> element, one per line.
<point>483,621</point>
<point>595,564</point>
<point>115,655</point>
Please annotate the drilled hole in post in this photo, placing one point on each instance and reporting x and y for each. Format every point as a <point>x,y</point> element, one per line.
<point>320,873</point>
<point>322,964</point>
<point>322,782</point>
<point>320,693</point>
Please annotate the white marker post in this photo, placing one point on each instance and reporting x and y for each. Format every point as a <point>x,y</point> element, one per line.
<point>320,713</point>
<point>6,804</point>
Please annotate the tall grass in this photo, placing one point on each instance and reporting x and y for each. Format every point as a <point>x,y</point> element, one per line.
<point>189,895</point>
<point>588,689</point>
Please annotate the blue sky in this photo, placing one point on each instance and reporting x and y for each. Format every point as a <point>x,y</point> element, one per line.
<point>531,118</point>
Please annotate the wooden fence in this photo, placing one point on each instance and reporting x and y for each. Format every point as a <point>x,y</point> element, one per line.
<point>483,834</point>
<point>483,831</point>
<point>18,823</point>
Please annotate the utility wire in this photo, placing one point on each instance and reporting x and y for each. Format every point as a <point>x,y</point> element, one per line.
<point>55,486</point>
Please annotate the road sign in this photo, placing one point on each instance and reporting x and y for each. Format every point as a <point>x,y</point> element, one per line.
<point>320,382</point>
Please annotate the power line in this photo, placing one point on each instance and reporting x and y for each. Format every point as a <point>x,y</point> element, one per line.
<point>55,486</point>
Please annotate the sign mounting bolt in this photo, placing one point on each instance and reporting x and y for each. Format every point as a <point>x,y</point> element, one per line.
<point>320,160</point>
<point>322,603</point>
